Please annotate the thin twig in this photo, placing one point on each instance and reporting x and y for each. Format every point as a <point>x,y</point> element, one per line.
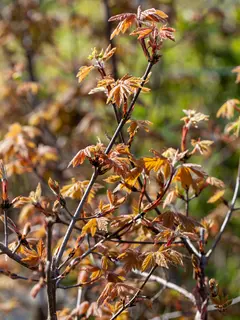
<point>201,290</point>
<point>131,301</point>
<point>15,276</point>
<point>187,203</point>
<point>190,247</point>
<point>15,256</point>
<point>170,285</point>
<point>75,217</point>
<point>178,314</point>
<point>5,228</point>
<point>213,307</point>
<point>228,215</point>
<point>143,242</point>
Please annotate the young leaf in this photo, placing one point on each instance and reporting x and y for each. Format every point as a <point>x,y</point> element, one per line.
<point>83,72</point>
<point>90,227</point>
<point>217,195</point>
<point>227,109</point>
<point>148,262</point>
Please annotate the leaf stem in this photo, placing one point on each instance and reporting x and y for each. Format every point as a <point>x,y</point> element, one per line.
<point>5,228</point>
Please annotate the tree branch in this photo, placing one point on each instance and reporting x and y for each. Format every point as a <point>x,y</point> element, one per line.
<point>5,227</point>
<point>51,283</point>
<point>15,256</point>
<point>95,174</point>
<point>15,276</point>
<point>170,285</point>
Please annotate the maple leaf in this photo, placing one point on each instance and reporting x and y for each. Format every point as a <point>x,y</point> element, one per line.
<point>114,203</point>
<point>95,224</point>
<point>118,222</point>
<point>134,126</point>
<point>102,224</point>
<point>154,163</point>
<point>108,53</point>
<point>126,21</point>
<point>148,262</point>
<point>193,117</point>
<point>218,297</point>
<point>167,33</point>
<point>96,273</point>
<point>142,33</point>
<point>113,179</point>
<point>153,15</point>
<point>90,227</point>
<point>186,175</point>
<point>116,160</point>
<point>170,220</point>
<point>167,219</point>
<point>129,181</point>
<point>201,146</point>
<point>113,290</point>
<point>106,294</point>
<point>34,198</point>
<point>96,155</point>
<point>54,186</point>
<point>76,189</point>
<point>122,88</point>
<point>227,109</point>
<point>215,182</point>
<point>33,257</point>
<point>19,149</point>
<point>234,127</point>
<point>174,155</point>
<point>163,257</point>
<point>132,260</point>
<point>87,152</point>
<point>83,72</point>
